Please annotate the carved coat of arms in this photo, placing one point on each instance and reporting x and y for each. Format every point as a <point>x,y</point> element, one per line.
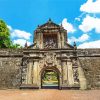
<point>50,59</point>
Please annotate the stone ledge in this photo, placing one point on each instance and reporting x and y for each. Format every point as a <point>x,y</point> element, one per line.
<point>11,55</point>
<point>28,86</point>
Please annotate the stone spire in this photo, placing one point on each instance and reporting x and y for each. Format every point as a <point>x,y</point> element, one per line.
<point>26,45</point>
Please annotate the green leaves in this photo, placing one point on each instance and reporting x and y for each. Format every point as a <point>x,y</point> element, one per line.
<point>14,46</point>
<point>5,41</point>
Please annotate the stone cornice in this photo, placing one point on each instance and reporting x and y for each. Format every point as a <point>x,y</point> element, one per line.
<point>11,55</point>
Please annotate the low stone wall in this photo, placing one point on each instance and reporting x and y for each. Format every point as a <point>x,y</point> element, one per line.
<point>10,68</point>
<point>90,62</point>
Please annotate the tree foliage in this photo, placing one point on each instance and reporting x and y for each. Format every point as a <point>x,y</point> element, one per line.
<point>4,35</point>
<point>5,41</point>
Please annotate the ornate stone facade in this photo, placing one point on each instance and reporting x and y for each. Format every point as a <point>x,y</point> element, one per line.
<point>51,52</point>
<point>75,68</point>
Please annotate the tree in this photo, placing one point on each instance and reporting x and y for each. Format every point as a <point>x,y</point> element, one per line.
<point>14,46</point>
<point>5,41</point>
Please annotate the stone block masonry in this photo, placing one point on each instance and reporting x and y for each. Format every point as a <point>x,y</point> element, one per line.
<point>10,68</point>
<point>90,62</point>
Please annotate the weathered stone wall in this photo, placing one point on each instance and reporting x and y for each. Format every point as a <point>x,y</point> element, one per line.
<point>10,68</point>
<point>11,59</point>
<point>90,62</point>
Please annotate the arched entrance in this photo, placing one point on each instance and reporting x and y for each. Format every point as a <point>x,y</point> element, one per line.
<point>50,79</point>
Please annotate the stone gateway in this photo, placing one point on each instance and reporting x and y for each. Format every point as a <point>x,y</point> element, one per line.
<point>50,62</point>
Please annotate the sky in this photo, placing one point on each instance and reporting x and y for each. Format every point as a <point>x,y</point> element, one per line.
<point>81,19</point>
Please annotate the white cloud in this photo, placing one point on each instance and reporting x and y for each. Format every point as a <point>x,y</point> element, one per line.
<point>21,34</point>
<point>82,38</point>
<point>21,42</point>
<point>78,19</point>
<point>93,44</point>
<point>9,27</point>
<point>91,7</point>
<point>68,26</point>
<point>89,23</point>
<point>16,33</point>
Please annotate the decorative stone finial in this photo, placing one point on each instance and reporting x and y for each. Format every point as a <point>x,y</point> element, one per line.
<point>49,20</point>
<point>61,24</point>
<point>75,47</point>
<point>26,45</point>
<point>38,25</point>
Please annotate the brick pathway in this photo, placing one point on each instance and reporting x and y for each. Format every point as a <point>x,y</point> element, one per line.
<point>46,94</point>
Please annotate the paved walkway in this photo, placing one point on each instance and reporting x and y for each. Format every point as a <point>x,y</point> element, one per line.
<point>46,94</point>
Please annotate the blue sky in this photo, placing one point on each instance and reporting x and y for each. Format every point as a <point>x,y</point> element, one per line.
<point>80,17</point>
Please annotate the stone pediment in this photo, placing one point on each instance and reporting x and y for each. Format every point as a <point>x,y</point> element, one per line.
<point>48,25</point>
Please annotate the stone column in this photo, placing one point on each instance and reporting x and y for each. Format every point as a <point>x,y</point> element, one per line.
<point>41,41</point>
<point>59,41</point>
<point>82,79</point>
<point>35,73</point>
<point>38,40</point>
<point>62,35</point>
<point>70,73</point>
<point>29,74</point>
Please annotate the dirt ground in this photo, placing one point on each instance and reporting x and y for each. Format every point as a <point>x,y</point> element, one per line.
<point>47,94</point>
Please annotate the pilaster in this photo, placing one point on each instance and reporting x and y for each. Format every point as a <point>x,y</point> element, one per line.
<point>59,40</point>
<point>62,36</point>
<point>65,76</point>
<point>70,73</point>
<point>35,73</point>
<point>29,73</point>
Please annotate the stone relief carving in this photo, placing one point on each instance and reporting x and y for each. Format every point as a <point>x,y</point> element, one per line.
<point>50,43</point>
<point>24,70</point>
<point>75,71</point>
<point>49,60</point>
<point>74,62</point>
<point>75,74</point>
